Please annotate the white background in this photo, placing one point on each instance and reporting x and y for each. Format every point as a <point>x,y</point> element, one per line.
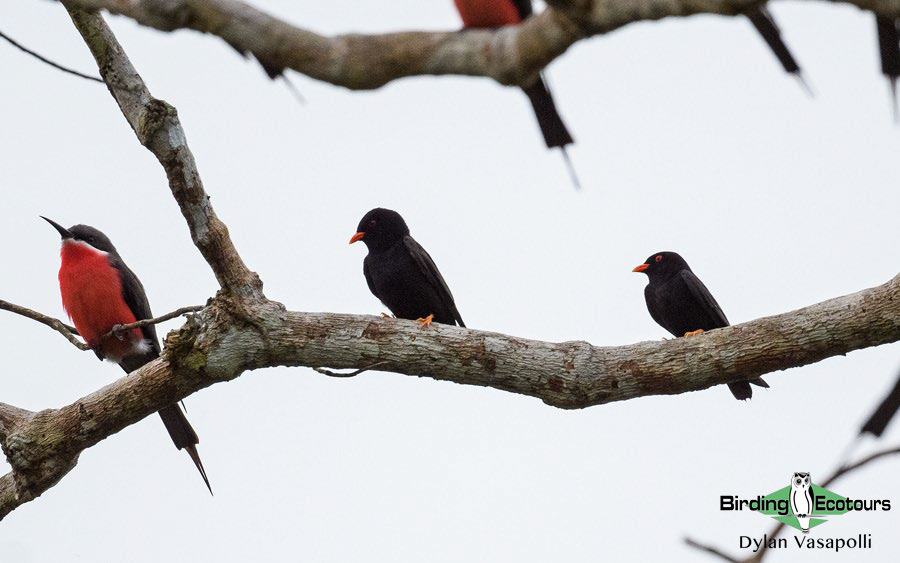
<point>690,138</point>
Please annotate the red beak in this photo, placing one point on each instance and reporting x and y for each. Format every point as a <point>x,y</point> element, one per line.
<point>641,268</point>
<point>357,237</point>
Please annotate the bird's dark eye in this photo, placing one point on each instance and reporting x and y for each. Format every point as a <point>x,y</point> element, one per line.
<point>658,258</point>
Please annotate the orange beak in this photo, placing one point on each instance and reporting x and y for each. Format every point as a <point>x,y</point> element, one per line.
<point>641,268</point>
<point>357,237</point>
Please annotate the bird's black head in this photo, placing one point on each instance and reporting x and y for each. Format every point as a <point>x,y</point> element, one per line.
<point>380,229</point>
<point>662,265</point>
<point>85,234</point>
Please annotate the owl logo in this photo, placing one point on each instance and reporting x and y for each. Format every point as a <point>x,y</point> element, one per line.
<point>801,500</point>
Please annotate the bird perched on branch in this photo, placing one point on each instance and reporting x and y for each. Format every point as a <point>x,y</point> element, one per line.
<point>497,13</point>
<point>99,292</point>
<point>680,303</point>
<point>401,273</point>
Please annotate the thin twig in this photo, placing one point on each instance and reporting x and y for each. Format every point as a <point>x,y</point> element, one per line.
<point>711,550</point>
<point>118,330</point>
<point>68,331</point>
<point>24,49</point>
<point>329,373</point>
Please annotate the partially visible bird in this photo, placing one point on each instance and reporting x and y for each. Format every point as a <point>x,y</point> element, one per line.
<point>889,49</point>
<point>492,14</point>
<point>680,303</point>
<point>99,292</point>
<point>401,273</point>
<point>765,24</point>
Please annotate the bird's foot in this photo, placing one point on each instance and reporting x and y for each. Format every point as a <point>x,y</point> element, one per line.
<point>426,321</point>
<point>694,333</point>
<point>386,316</point>
<point>116,330</point>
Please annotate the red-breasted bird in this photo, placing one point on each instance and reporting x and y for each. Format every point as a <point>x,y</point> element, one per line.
<point>680,303</point>
<point>497,13</point>
<point>401,273</point>
<point>99,292</point>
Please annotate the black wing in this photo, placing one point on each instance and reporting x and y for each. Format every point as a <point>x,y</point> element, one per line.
<point>523,7</point>
<point>428,268</point>
<point>136,299</point>
<point>369,276</point>
<point>704,298</point>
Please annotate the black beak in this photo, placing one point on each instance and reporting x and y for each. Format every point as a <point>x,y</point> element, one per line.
<point>64,232</point>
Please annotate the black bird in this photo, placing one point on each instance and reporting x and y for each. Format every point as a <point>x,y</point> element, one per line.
<point>680,303</point>
<point>401,274</point>
<point>99,292</point>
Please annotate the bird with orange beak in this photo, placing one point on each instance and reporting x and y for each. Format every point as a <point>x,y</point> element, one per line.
<point>401,273</point>
<point>680,303</point>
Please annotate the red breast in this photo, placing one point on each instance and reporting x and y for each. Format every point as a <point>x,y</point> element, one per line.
<point>92,297</point>
<point>487,13</point>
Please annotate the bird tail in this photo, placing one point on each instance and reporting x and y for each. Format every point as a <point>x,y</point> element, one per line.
<point>764,23</point>
<point>184,436</point>
<point>889,47</point>
<point>742,390</point>
<point>549,120</point>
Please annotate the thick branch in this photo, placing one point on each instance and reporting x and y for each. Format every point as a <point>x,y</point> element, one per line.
<point>512,55</point>
<point>221,342</point>
<point>157,127</point>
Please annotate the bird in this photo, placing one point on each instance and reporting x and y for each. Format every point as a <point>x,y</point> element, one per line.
<point>99,291</point>
<point>680,303</point>
<point>765,25</point>
<point>801,500</point>
<point>401,273</point>
<point>889,48</point>
<point>492,14</point>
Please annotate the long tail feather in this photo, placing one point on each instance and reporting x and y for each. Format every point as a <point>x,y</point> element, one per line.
<point>765,24</point>
<point>552,126</point>
<point>889,48</point>
<point>184,436</point>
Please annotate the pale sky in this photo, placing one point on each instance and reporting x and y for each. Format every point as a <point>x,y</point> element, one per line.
<point>689,138</point>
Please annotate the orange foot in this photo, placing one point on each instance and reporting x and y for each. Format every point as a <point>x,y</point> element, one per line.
<point>694,333</point>
<point>426,321</point>
<point>386,316</point>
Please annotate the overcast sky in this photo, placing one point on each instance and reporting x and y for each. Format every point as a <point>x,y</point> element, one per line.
<point>689,138</point>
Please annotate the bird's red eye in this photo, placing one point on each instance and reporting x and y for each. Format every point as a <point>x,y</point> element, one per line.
<point>658,258</point>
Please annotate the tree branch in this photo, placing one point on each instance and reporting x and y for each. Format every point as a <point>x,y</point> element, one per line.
<point>68,331</point>
<point>511,55</point>
<point>227,338</point>
<point>157,127</point>
<point>121,329</point>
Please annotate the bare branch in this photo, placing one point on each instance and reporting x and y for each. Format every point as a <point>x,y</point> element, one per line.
<point>121,329</point>
<point>45,60</point>
<point>68,331</point>
<point>511,55</point>
<point>712,550</point>
<point>157,127</point>
<point>227,338</point>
